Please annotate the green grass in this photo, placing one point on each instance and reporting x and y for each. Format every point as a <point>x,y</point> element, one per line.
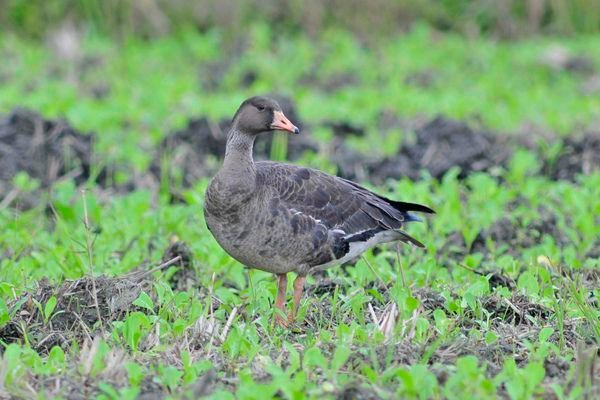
<point>457,334</point>
<point>154,87</point>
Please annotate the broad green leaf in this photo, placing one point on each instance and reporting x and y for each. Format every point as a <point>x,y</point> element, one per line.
<point>144,301</point>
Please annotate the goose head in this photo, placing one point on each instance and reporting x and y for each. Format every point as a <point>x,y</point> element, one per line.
<point>260,114</point>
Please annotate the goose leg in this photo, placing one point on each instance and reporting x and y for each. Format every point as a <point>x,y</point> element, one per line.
<point>298,287</point>
<point>280,301</point>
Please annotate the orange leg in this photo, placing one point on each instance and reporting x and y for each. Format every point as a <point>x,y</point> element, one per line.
<point>298,287</point>
<point>280,301</point>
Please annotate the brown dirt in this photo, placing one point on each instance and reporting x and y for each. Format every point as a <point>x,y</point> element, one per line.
<point>518,310</point>
<point>443,143</point>
<point>192,152</point>
<point>185,276</point>
<point>344,129</point>
<point>357,392</point>
<point>425,78</point>
<point>518,235</point>
<point>329,84</point>
<point>322,286</point>
<point>48,150</point>
<point>76,316</point>
<point>440,144</point>
<point>580,155</point>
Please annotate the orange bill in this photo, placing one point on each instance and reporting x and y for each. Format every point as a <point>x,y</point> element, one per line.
<point>281,123</point>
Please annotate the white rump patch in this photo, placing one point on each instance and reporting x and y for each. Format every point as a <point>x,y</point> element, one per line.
<point>357,248</point>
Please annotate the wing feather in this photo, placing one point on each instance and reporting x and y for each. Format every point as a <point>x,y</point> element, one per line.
<point>335,202</point>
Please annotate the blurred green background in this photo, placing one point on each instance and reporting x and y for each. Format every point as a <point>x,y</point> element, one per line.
<point>155,18</point>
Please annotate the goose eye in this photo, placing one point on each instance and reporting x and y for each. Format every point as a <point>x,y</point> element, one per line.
<point>261,108</point>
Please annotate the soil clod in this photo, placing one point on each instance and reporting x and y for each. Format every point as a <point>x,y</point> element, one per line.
<point>47,150</point>
<point>185,277</point>
<point>518,235</point>
<point>579,156</point>
<point>343,129</point>
<point>75,316</point>
<point>440,145</point>
<point>445,143</point>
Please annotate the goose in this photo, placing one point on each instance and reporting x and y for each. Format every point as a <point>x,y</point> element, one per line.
<point>284,218</point>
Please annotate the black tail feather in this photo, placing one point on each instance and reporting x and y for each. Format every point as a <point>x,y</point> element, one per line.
<point>402,206</point>
<point>399,205</point>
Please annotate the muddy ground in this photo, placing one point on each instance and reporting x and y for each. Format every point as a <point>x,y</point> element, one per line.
<point>47,150</point>
<point>84,309</point>
<point>440,144</point>
<point>51,150</point>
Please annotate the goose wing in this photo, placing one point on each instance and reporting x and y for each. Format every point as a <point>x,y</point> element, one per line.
<point>339,212</point>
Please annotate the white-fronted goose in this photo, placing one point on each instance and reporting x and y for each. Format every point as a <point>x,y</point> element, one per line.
<point>285,218</point>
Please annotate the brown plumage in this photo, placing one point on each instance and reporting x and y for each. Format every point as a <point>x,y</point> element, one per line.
<point>285,218</point>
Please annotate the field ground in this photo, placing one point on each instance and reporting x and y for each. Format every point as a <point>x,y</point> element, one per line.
<point>111,286</point>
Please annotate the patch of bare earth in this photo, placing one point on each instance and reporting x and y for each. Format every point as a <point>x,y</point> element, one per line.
<point>82,324</point>
<point>580,155</point>
<point>439,144</point>
<point>512,234</point>
<point>84,309</point>
<point>51,150</point>
<point>47,150</point>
